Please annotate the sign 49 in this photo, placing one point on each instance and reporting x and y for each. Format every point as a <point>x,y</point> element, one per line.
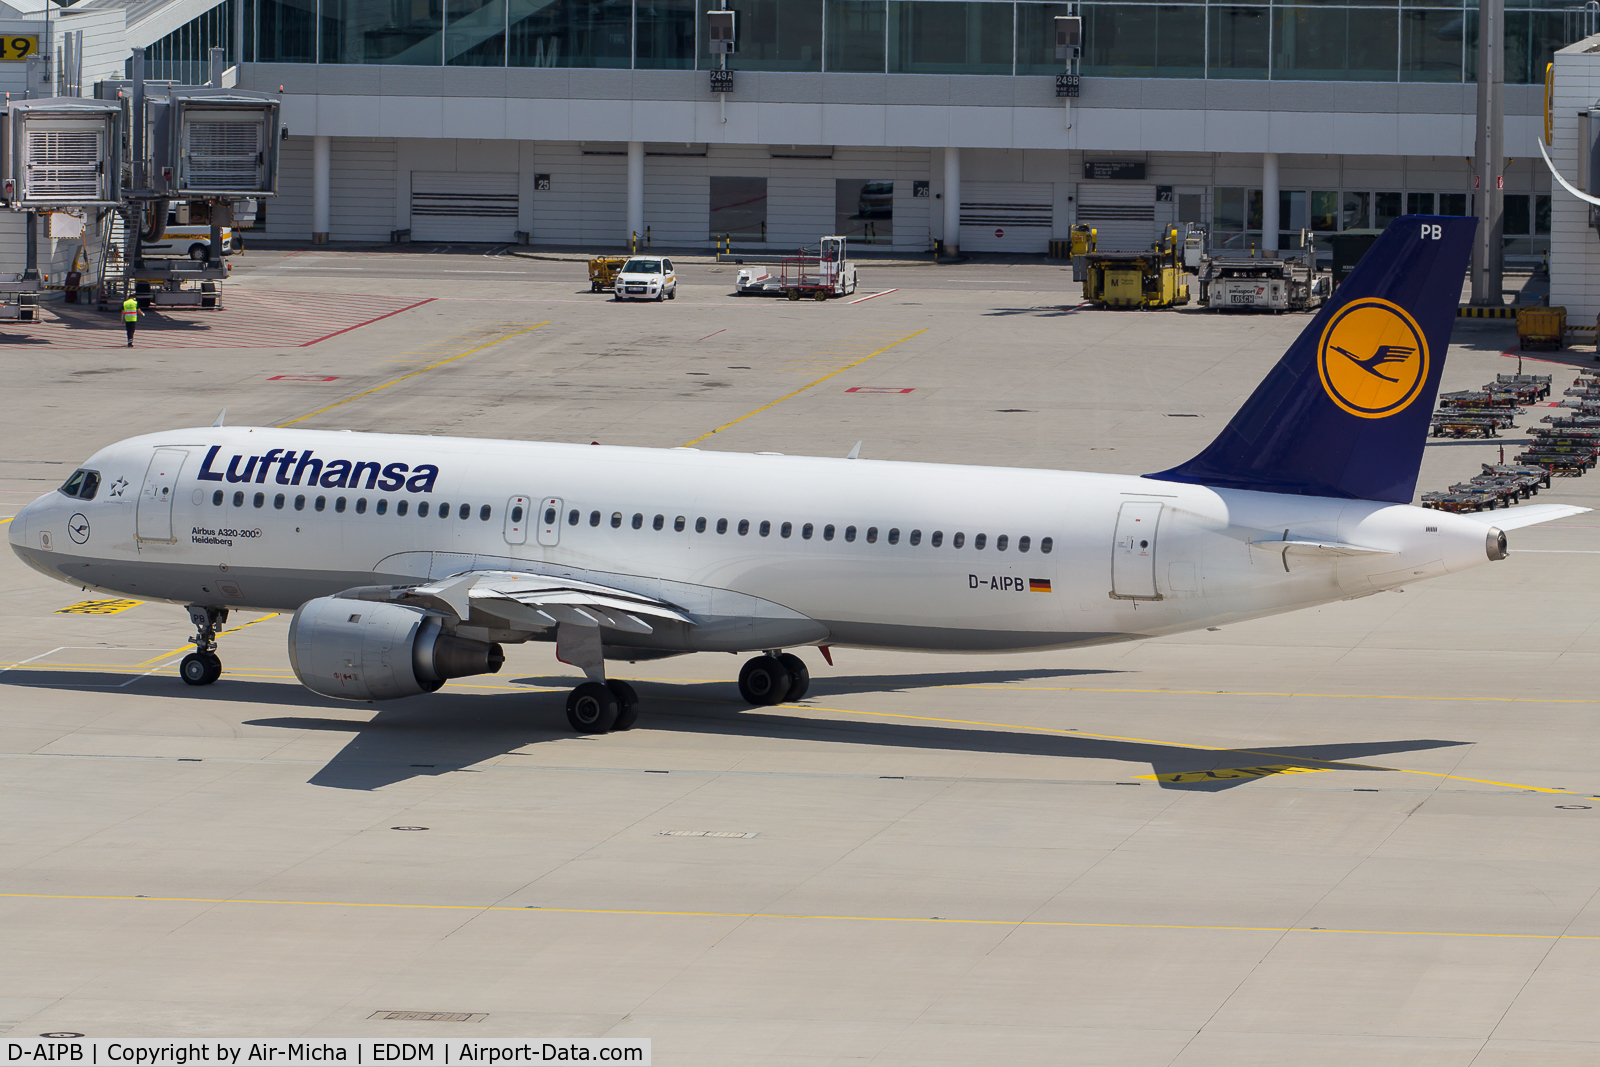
<point>18,47</point>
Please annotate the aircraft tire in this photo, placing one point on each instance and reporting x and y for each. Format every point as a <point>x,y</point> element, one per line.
<point>799,677</point>
<point>764,681</point>
<point>213,666</point>
<point>627,703</point>
<point>592,708</point>
<point>196,671</point>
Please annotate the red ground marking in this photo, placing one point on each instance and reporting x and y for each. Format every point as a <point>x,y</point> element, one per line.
<point>249,318</point>
<point>878,389</point>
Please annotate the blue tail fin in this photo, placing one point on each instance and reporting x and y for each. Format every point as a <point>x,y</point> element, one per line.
<point>1345,412</point>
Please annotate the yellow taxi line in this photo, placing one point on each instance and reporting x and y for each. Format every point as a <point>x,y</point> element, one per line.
<point>803,388</point>
<point>413,374</point>
<point>221,633</point>
<point>802,917</point>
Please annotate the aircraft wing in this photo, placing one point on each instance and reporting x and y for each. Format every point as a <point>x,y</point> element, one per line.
<point>1526,515</point>
<point>531,601</point>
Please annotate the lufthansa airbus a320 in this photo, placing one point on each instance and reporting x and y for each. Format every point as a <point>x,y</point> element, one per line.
<point>410,560</point>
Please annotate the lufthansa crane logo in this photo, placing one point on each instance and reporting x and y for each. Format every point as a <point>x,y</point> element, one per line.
<point>1373,359</point>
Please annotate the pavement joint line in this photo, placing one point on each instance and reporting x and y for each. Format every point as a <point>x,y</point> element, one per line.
<point>795,916</point>
<point>413,374</point>
<point>803,388</point>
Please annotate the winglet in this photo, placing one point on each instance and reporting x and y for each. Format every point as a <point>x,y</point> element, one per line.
<point>855,453</point>
<point>220,416</point>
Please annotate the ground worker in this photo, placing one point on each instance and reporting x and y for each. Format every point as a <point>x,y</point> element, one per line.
<point>130,317</point>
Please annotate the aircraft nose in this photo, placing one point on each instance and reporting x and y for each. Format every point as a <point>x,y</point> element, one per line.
<point>20,531</point>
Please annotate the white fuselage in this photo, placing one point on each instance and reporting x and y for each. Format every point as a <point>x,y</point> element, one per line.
<point>882,554</point>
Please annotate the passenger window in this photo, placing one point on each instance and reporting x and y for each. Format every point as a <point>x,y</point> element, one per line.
<point>465,512</point>
<point>91,486</point>
<point>216,498</point>
<point>361,505</point>
<point>678,523</point>
<point>400,508</point>
<point>937,539</point>
<point>979,540</point>
<point>872,535</point>
<point>422,509</point>
<point>638,521</point>
<point>277,502</point>
<point>382,507</point>
<point>549,516</point>
<point>516,513</point>
<point>485,511</point>
<point>616,520</point>
<point>73,484</point>
<point>594,518</point>
<point>849,533</point>
<point>827,532</point>
<point>1000,543</point>
<point>894,537</point>
<point>722,526</point>
<point>338,505</point>
<point>744,527</point>
<point>786,529</point>
<point>958,540</point>
<point>659,522</point>
<point>322,503</point>
<point>916,537</point>
<point>572,517</point>
<point>1045,545</point>
<point>260,499</point>
<point>300,503</point>
<point>1022,544</point>
<point>700,524</point>
<point>766,527</point>
<point>238,499</point>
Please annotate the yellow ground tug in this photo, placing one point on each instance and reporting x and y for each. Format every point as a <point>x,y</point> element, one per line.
<point>1151,279</point>
<point>603,272</point>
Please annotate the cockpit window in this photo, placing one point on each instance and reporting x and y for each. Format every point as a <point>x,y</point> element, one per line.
<point>83,484</point>
<point>642,266</point>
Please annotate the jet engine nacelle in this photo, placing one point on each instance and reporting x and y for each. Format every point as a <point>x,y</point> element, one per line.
<point>359,650</point>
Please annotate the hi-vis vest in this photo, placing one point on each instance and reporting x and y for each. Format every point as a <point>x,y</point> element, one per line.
<point>130,310</point>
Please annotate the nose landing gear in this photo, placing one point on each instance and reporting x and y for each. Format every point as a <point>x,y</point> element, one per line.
<point>203,666</point>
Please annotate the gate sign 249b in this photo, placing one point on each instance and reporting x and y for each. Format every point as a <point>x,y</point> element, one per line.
<point>1067,85</point>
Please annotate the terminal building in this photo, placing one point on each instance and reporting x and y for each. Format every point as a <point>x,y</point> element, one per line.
<point>896,122</point>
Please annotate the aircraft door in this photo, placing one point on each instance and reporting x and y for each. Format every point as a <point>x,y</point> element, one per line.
<point>550,521</point>
<point>1133,553</point>
<point>517,519</point>
<point>154,522</point>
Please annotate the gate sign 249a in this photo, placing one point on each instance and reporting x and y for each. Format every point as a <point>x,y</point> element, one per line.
<point>18,47</point>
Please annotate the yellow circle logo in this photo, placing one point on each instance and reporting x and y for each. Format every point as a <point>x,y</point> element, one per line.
<point>1373,358</point>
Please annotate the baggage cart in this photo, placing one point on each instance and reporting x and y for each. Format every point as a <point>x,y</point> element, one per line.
<point>603,272</point>
<point>1541,328</point>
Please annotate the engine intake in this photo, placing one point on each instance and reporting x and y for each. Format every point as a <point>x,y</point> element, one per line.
<point>358,650</point>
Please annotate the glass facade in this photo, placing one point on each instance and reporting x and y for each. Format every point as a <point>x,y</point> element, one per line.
<point>1306,40</point>
<point>1236,215</point>
<point>184,55</point>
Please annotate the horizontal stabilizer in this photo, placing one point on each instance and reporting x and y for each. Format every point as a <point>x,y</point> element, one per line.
<point>1314,549</point>
<point>1527,515</point>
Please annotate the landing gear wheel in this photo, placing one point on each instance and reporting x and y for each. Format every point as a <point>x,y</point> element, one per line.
<point>196,669</point>
<point>628,705</point>
<point>213,666</point>
<point>765,681</point>
<point>799,677</point>
<point>592,708</point>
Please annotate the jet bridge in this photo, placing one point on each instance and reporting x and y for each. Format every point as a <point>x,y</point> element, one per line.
<point>56,155</point>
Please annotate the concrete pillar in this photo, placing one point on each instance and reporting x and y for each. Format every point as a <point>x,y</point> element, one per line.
<point>952,201</point>
<point>1269,203</point>
<point>321,164</point>
<point>635,192</point>
<point>1488,247</point>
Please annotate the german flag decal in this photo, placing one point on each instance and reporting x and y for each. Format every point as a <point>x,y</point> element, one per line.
<point>1038,585</point>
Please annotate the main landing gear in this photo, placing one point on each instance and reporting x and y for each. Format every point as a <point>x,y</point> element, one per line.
<point>203,666</point>
<point>601,707</point>
<point>774,678</point>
